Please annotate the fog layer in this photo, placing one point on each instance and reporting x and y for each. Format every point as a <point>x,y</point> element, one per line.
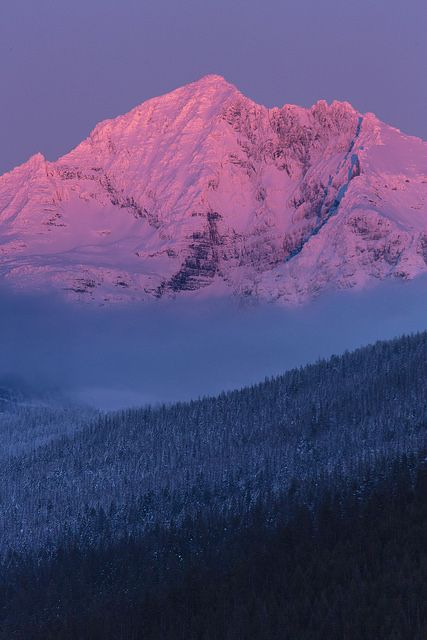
<point>160,352</point>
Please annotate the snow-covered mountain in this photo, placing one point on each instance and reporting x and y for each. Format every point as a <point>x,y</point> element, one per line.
<point>203,190</point>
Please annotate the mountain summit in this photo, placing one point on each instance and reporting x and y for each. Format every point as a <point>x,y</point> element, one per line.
<point>203,190</point>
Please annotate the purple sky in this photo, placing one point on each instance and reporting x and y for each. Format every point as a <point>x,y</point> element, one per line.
<point>65,65</point>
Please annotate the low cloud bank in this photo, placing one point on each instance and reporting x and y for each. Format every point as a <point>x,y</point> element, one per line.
<point>167,351</point>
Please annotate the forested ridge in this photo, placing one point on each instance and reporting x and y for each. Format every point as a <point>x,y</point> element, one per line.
<point>296,508</point>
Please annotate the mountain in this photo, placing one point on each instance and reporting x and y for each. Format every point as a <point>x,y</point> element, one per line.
<point>203,190</point>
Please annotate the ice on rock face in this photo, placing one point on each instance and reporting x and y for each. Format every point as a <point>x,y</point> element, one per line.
<point>203,192</point>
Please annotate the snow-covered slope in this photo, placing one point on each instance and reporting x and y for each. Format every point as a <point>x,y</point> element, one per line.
<point>202,190</point>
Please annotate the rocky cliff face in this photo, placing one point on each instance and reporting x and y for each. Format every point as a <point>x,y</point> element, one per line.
<point>204,192</point>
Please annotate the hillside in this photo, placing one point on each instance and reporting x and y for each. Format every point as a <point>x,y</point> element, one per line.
<point>293,508</point>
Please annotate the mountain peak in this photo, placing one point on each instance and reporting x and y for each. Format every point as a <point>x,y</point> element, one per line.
<point>208,86</point>
<point>212,78</point>
<point>192,107</point>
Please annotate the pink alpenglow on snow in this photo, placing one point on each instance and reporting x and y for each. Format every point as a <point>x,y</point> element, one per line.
<point>204,192</point>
